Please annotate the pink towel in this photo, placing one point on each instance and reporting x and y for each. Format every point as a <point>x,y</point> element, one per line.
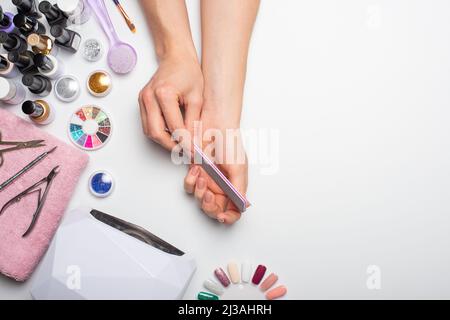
<point>19,256</point>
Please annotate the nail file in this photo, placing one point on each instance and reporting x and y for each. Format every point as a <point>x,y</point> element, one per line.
<point>211,169</point>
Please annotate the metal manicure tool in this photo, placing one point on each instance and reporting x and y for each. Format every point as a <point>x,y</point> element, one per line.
<point>25,169</point>
<point>16,145</point>
<point>42,196</point>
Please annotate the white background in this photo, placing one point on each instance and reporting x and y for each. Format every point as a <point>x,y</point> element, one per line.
<point>359,92</point>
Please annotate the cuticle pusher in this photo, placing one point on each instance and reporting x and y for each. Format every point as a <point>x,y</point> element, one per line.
<point>25,169</point>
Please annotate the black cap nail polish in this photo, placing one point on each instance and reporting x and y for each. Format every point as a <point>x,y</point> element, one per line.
<point>53,14</point>
<point>65,38</point>
<point>32,108</point>
<point>5,20</point>
<point>23,60</point>
<point>27,7</point>
<point>3,63</point>
<point>37,84</point>
<point>13,42</point>
<point>43,62</point>
<point>28,25</point>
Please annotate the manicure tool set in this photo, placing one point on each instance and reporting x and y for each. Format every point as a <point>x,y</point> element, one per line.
<point>42,195</point>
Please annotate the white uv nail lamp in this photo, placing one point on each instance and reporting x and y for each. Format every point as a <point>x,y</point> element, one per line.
<point>97,256</point>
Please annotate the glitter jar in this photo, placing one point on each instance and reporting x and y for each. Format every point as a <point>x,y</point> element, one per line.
<point>92,50</point>
<point>99,83</point>
<point>101,184</point>
<point>77,11</point>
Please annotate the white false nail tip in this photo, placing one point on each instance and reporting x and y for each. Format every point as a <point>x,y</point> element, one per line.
<point>213,286</point>
<point>246,271</point>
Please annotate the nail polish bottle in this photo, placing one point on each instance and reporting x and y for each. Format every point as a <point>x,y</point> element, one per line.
<point>6,21</point>
<point>13,42</point>
<point>42,44</point>
<point>23,61</point>
<point>39,111</point>
<point>49,66</point>
<point>28,25</point>
<point>11,92</point>
<point>37,84</point>
<point>7,68</point>
<point>65,38</point>
<point>77,11</point>
<point>53,14</point>
<point>27,7</point>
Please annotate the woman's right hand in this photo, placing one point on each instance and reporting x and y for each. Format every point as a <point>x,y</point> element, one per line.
<point>177,84</point>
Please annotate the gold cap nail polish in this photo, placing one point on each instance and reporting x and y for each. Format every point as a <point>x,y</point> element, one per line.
<point>40,43</point>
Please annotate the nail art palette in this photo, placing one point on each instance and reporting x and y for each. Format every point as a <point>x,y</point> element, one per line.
<point>241,276</point>
<point>90,128</point>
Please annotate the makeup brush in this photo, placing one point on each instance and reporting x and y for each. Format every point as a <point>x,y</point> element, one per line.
<point>125,16</point>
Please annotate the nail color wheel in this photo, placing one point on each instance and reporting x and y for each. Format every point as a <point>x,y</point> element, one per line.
<point>90,128</point>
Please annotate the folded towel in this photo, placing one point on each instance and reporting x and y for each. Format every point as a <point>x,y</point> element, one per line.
<point>20,256</point>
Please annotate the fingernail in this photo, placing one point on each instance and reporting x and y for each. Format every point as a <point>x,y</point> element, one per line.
<point>222,277</point>
<point>194,170</point>
<point>233,271</point>
<point>276,293</point>
<point>213,286</point>
<point>268,282</point>
<point>259,274</point>
<point>221,220</point>
<point>208,197</point>
<point>201,183</point>
<point>246,271</point>
<point>207,296</point>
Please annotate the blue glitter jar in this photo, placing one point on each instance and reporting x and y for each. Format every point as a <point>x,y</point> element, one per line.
<point>101,184</point>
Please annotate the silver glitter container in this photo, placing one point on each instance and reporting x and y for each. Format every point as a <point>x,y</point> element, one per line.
<point>67,88</point>
<point>92,50</point>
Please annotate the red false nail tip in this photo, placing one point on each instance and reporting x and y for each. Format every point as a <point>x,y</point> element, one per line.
<point>259,274</point>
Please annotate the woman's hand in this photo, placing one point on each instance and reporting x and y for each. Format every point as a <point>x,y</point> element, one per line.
<point>178,82</point>
<point>176,85</point>
<point>221,139</point>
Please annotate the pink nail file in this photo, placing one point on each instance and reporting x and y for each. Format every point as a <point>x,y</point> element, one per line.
<point>233,194</point>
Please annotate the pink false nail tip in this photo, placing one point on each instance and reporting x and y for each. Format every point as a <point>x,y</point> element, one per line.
<point>222,277</point>
<point>276,293</point>
<point>259,274</point>
<point>269,282</point>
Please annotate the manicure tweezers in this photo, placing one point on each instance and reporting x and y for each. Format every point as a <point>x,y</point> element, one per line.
<point>41,199</point>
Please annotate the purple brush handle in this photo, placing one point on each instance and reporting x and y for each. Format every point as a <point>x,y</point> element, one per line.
<point>99,8</point>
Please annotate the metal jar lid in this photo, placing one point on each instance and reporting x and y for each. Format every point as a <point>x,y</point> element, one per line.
<point>67,88</point>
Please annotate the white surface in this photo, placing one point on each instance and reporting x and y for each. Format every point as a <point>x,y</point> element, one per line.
<point>72,268</point>
<point>359,91</point>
